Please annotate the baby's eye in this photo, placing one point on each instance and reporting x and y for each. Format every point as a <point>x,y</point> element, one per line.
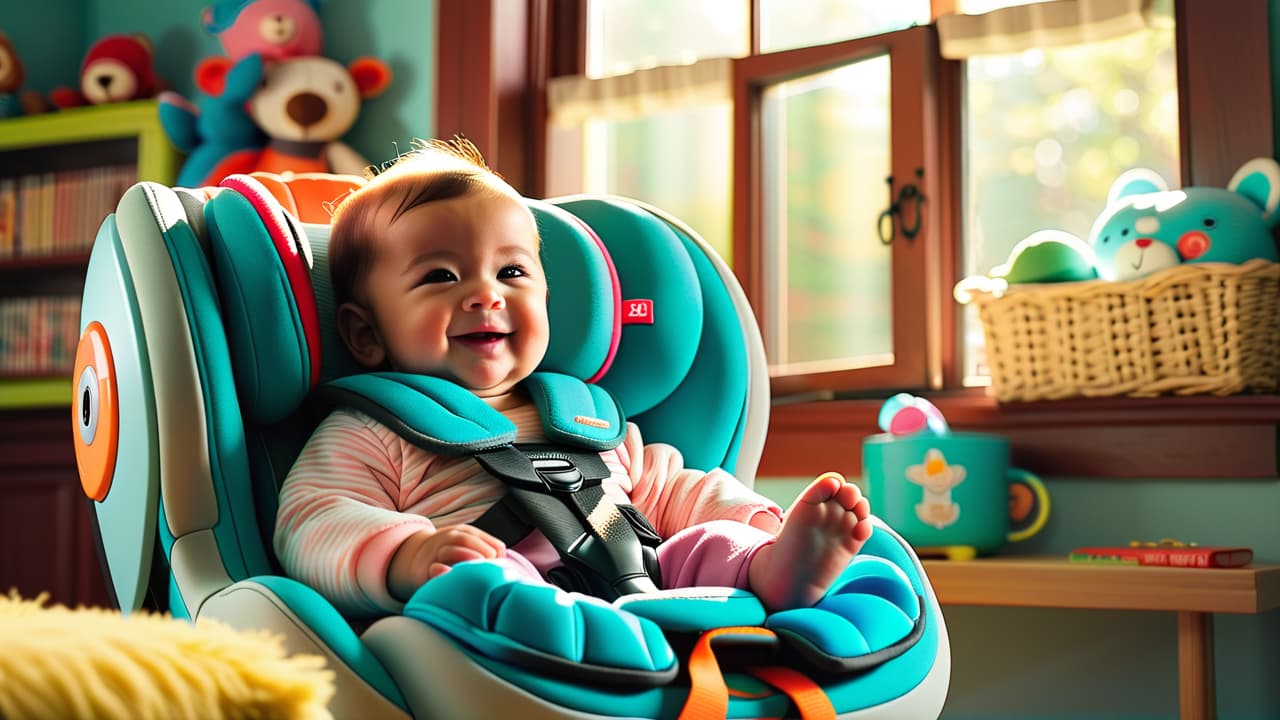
<point>511,271</point>
<point>439,275</point>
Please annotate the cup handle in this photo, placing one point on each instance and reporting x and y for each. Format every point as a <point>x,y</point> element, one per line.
<point>1029,512</point>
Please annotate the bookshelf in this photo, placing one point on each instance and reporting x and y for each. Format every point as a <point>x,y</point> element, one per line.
<point>45,520</point>
<point>75,142</point>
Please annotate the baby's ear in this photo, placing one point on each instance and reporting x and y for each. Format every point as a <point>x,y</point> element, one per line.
<point>360,335</point>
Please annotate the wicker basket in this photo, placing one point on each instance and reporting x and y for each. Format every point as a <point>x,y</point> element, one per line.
<point>1211,328</point>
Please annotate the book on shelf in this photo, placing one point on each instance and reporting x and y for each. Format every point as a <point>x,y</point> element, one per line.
<point>1187,556</point>
<point>58,213</point>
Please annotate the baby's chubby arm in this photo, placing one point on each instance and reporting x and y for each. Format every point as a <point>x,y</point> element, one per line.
<point>430,552</point>
<point>674,497</point>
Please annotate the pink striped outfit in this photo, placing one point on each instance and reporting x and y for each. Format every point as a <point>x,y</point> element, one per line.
<point>358,490</point>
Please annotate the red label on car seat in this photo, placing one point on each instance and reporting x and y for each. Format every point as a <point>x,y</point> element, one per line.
<point>637,312</point>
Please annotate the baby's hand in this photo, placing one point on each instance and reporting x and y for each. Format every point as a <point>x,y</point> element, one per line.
<point>430,553</point>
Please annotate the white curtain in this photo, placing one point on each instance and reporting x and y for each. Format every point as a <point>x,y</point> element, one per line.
<point>1045,24</point>
<point>574,99</point>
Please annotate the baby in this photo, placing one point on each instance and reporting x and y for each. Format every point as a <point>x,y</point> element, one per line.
<point>436,271</point>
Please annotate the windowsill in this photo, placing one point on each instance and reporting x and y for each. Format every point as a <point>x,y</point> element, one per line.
<point>1166,437</point>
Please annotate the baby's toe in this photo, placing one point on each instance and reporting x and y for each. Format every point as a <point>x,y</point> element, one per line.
<point>848,496</point>
<point>823,488</point>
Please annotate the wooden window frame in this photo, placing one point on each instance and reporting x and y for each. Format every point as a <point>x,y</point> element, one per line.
<point>916,264</point>
<point>492,70</point>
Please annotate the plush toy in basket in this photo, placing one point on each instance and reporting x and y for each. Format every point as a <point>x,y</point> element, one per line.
<point>1186,300</point>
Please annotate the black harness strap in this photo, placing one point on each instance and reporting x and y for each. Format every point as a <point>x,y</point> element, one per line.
<point>607,549</point>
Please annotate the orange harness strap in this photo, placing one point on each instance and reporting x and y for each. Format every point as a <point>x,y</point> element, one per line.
<point>709,695</point>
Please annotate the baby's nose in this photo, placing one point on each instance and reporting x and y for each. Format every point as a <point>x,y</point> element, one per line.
<point>485,297</point>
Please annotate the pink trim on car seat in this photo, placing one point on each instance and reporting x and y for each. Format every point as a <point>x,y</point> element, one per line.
<point>616,335</point>
<point>299,275</point>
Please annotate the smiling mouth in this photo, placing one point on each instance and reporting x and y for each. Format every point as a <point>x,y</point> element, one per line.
<point>483,337</point>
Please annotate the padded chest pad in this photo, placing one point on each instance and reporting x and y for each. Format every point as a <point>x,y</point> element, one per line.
<point>443,417</point>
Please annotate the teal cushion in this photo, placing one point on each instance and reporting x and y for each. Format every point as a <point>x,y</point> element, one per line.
<point>583,305</point>
<point>694,610</point>
<point>431,412</point>
<point>701,416</point>
<point>499,615</point>
<point>269,353</point>
<point>239,544</point>
<point>652,264</point>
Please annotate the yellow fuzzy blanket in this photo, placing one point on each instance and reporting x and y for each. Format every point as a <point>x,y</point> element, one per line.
<point>91,663</point>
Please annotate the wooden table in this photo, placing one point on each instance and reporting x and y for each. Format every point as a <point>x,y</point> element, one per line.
<point>1053,582</point>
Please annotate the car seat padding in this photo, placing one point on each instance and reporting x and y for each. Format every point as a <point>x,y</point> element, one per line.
<point>268,303</point>
<point>652,264</point>
<point>583,307</point>
<point>715,386</point>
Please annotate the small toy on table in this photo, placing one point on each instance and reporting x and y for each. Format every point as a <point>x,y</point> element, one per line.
<point>950,494</point>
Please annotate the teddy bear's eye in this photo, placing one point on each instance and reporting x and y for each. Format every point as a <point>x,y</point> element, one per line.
<point>1105,238</point>
<point>1124,232</point>
<point>1210,222</point>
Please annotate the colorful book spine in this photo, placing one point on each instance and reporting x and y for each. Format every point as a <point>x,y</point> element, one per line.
<point>1185,557</point>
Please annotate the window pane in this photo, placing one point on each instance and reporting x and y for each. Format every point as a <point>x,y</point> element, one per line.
<point>787,24</point>
<point>626,35</point>
<point>1046,133</point>
<point>825,160</point>
<point>679,161</point>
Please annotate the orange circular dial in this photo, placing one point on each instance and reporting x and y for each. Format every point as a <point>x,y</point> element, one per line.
<point>95,412</point>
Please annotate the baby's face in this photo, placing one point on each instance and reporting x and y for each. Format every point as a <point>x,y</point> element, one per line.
<point>456,290</point>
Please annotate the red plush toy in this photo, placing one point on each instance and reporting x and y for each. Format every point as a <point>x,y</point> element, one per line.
<point>116,68</point>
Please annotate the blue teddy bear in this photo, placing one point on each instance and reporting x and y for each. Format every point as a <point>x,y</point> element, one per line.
<point>1148,227</point>
<point>216,125</point>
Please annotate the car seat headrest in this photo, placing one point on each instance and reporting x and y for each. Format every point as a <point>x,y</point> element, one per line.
<point>584,306</point>
<point>273,280</point>
<point>262,266</point>
<point>661,308</point>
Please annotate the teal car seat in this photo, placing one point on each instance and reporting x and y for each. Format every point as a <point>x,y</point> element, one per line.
<point>207,346</point>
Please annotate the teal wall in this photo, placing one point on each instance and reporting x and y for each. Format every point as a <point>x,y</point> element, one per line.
<point>400,32</point>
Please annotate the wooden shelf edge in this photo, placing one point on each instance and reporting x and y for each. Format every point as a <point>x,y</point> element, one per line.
<point>49,392</point>
<point>1053,582</point>
<point>95,122</point>
<point>1169,437</point>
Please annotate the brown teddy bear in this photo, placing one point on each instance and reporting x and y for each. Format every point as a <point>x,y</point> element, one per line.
<point>117,68</point>
<point>13,100</point>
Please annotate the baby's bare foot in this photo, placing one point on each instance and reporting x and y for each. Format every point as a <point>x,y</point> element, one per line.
<point>823,530</point>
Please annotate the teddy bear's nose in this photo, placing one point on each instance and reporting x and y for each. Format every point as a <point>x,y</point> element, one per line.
<point>104,81</point>
<point>1142,242</point>
<point>306,109</point>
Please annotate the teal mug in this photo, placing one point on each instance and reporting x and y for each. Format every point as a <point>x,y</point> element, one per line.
<point>952,494</point>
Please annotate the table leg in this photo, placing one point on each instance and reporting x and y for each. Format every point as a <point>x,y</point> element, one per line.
<point>1195,666</point>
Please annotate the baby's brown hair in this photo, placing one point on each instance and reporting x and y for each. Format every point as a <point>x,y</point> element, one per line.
<point>432,170</point>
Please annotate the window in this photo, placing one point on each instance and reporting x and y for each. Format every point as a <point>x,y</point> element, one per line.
<point>825,154</point>
<point>1047,128</point>
<point>794,135</point>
